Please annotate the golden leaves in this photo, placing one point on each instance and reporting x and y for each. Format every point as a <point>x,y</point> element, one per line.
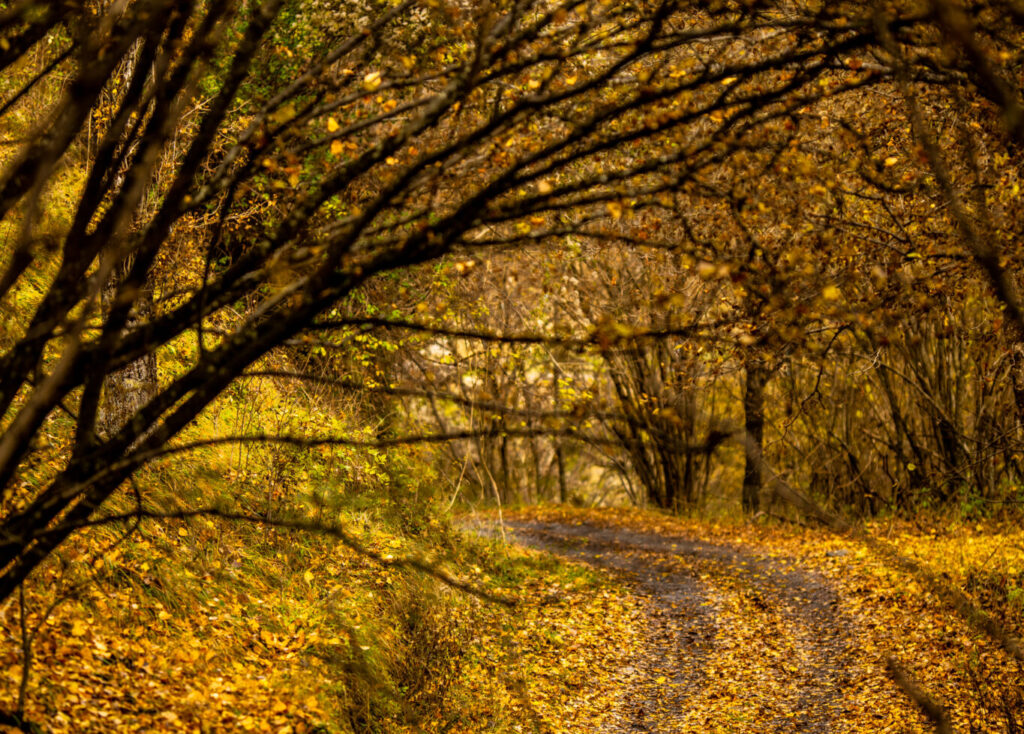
<point>557,660</point>
<point>372,81</point>
<point>283,114</point>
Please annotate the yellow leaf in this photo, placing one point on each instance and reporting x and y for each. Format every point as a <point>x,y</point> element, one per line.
<point>284,114</point>
<point>183,532</point>
<point>372,81</point>
<point>336,147</point>
<point>891,161</point>
<point>78,628</point>
<point>308,576</point>
<point>831,293</point>
<point>706,270</point>
<point>332,125</point>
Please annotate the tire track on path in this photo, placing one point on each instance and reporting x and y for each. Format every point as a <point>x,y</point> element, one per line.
<point>735,641</point>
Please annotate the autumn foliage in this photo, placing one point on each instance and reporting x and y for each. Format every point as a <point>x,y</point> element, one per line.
<point>287,283</point>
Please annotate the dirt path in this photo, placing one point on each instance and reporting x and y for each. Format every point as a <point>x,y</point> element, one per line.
<point>735,641</point>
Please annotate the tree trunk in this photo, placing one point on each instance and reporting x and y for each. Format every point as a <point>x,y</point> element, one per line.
<point>563,490</point>
<point>129,389</point>
<point>1017,377</point>
<point>753,426</point>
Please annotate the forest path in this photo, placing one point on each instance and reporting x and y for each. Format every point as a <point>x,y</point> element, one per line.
<point>735,641</point>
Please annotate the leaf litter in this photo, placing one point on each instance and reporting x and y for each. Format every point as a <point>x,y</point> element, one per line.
<point>753,628</point>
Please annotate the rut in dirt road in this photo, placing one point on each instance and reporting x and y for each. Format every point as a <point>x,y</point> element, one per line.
<point>735,641</point>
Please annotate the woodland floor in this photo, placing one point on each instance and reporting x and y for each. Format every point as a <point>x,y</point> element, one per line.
<point>760,629</point>
<point>614,621</point>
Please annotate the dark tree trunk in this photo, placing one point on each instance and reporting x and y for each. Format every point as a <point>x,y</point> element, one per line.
<point>563,490</point>
<point>1017,379</point>
<point>753,426</point>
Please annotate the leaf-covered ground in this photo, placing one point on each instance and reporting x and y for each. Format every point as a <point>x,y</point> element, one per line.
<point>206,627</point>
<point>623,621</point>
<point>752,629</point>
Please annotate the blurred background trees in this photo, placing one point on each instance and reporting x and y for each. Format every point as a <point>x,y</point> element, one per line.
<point>791,225</point>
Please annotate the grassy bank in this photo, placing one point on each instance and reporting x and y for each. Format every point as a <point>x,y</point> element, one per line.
<point>205,623</point>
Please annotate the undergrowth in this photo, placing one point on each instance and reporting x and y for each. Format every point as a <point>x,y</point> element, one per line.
<point>203,623</point>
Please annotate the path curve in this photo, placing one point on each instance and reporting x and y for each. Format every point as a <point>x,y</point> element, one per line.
<point>735,641</point>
